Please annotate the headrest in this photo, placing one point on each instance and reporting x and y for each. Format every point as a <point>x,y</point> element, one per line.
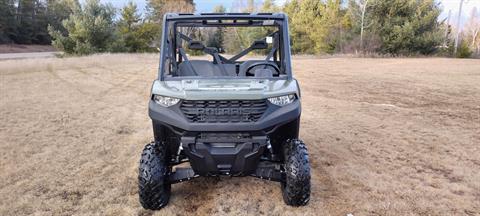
<point>263,73</point>
<point>195,45</point>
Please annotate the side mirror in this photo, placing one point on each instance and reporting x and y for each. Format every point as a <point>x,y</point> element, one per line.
<point>260,44</point>
<point>195,45</point>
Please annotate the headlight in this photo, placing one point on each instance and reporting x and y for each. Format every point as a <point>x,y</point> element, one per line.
<point>165,101</point>
<point>282,100</point>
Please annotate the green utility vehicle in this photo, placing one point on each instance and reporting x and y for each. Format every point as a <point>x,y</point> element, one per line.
<point>225,114</point>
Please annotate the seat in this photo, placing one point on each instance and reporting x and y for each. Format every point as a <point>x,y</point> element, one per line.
<point>244,66</point>
<point>204,68</point>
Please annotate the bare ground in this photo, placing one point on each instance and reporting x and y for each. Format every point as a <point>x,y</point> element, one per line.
<point>9,56</point>
<point>385,137</point>
<point>20,48</point>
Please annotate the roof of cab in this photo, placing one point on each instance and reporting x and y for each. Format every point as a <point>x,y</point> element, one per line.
<point>208,16</point>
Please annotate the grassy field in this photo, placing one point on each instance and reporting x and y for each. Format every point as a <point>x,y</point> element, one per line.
<point>385,136</point>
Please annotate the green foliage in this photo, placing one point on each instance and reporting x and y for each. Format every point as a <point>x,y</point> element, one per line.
<point>158,8</point>
<point>59,10</point>
<point>398,27</point>
<point>30,22</point>
<point>219,9</point>
<point>90,29</point>
<point>269,6</point>
<point>26,21</point>
<point>134,34</point>
<point>301,14</point>
<point>316,26</point>
<point>406,26</point>
<point>8,28</point>
<point>238,39</point>
<point>393,26</point>
<point>217,36</point>
<point>464,50</point>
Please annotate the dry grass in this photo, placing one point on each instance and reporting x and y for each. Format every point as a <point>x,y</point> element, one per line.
<point>385,136</point>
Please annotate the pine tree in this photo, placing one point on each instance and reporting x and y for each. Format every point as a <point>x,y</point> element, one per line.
<point>90,29</point>
<point>8,26</point>
<point>135,35</point>
<point>157,8</point>
<point>59,10</point>
<point>407,26</point>
<point>25,20</point>
<point>216,38</point>
<point>311,23</point>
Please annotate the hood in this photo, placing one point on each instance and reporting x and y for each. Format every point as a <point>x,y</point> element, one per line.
<point>224,89</point>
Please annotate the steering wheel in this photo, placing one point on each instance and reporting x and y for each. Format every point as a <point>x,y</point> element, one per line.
<point>275,66</point>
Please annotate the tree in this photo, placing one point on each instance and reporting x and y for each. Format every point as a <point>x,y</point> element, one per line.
<point>157,8</point>
<point>127,26</point>
<point>219,9</point>
<point>316,26</point>
<point>216,37</point>
<point>407,26</point>
<point>26,21</point>
<point>457,34</point>
<point>31,22</point>
<point>330,28</point>
<point>134,35</point>
<point>40,23</point>
<point>59,10</point>
<point>8,27</point>
<point>90,29</point>
<point>301,18</point>
<point>358,10</point>
<point>364,4</point>
<point>361,35</point>
<point>130,17</point>
<point>447,28</point>
<point>239,38</point>
<point>472,31</point>
<point>269,6</point>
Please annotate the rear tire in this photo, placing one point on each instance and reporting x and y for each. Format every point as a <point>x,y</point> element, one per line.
<point>154,189</point>
<point>296,187</point>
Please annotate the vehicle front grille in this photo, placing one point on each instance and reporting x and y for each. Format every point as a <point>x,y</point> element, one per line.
<point>223,111</point>
<point>224,137</point>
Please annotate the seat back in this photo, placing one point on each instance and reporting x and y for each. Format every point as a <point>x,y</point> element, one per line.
<point>204,68</point>
<point>244,66</point>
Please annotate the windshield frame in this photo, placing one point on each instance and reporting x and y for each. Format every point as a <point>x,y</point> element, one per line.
<point>171,20</point>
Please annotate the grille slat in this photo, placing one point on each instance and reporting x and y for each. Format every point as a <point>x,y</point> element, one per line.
<point>223,111</point>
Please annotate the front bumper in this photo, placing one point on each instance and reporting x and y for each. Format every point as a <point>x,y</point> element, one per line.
<point>227,148</point>
<point>273,116</point>
<point>224,154</point>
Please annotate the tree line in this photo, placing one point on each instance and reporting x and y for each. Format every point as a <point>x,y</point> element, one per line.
<point>394,27</point>
<point>26,21</point>
<point>87,27</point>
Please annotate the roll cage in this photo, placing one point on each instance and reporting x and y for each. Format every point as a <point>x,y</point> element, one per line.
<point>172,53</point>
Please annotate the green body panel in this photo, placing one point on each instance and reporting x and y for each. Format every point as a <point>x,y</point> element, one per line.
<point>225,89</point>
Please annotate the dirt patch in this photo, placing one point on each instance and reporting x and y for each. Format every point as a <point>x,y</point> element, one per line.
<point>385,137</point>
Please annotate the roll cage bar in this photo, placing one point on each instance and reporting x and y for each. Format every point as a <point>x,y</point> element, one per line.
<point>224,20</point>
<point>219,59</point>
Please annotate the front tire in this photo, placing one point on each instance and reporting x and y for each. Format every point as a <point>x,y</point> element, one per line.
<point>296,187</point>
<point>154,189</point>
